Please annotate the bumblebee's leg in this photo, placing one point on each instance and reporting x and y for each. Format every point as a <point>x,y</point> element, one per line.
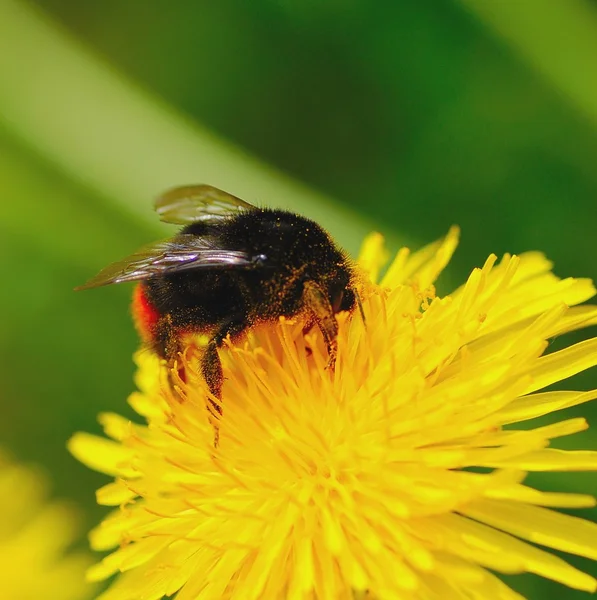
<point>211,366</point>
<point>309,324</point>
<point>318,303</point>
<point>211,369</point>
<point>166,344</point>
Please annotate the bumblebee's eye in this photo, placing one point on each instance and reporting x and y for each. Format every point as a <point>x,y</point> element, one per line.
<point>337,298</point>
<point>342,299</point>
<point>347,300</point>
<point>259,260</point>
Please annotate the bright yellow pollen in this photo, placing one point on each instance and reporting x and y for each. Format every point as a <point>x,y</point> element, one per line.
<point>391,477</point>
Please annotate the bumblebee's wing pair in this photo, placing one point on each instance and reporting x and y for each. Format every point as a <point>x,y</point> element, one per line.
<point>191,203</point>
<point>183,206</point>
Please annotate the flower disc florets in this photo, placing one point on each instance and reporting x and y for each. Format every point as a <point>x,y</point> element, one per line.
<point>398,475</point>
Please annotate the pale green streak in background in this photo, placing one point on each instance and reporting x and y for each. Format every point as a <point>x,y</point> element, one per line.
<point>124,144</point>
<point>128,146</point>
<point>557,38</point>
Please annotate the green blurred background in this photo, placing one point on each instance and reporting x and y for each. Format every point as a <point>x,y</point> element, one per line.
<point>411,115</point>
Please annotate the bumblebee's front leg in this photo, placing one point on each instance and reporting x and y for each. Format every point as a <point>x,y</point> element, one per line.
<point>318,303</point>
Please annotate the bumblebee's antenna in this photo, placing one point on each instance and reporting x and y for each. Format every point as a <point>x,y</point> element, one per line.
<point>360,305</point>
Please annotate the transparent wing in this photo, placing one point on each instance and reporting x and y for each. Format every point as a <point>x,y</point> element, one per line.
<point>192,203</point>
<point>173,255</point>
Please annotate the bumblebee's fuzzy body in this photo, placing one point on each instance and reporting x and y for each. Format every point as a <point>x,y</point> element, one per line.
<point>232,266</point>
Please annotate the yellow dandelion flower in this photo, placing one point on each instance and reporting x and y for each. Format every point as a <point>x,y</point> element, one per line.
<point>34,538</point>
<point>392,477</point>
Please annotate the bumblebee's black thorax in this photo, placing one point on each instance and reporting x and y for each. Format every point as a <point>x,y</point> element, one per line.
<point>288,250</point>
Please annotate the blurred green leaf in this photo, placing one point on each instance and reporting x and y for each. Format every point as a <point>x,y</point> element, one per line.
<point>128,146</point>
<point>557,39</point>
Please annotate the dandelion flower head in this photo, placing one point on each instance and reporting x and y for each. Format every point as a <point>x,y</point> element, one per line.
<point>399,475</point>
<point>35,537</point>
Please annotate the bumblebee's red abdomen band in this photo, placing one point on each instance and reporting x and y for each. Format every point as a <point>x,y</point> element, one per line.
<point>145,314</point>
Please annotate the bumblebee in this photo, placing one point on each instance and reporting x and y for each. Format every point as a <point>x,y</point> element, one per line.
<point>232,266</point>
